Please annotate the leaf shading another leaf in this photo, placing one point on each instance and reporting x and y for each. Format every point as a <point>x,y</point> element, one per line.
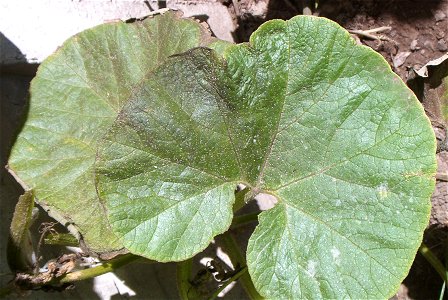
<point>302,113</point>
<point>167,170</point>
<point>75,97</point>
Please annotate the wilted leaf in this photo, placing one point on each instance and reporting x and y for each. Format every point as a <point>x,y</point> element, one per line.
<point>20,248</point>
<point>75,97</point>
<point>435,89</point>
<point>301,113</point>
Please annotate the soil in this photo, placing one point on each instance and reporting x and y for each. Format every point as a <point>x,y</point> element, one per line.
<point>415,32</point>
<point>418,29</point>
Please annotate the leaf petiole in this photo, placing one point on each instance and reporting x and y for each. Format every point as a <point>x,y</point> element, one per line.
<point>105,267</point>
<point>242,220</point>
<point>183,271</point>
<point>433,260</point>
<point>235,277</point>
<point>237,258</point>
<point>240,199</point>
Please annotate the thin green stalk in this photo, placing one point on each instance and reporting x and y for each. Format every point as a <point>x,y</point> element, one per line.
<point>433,260</point>
<point>240,199</point>
<point>183,276</point>
<point>244,219</point>
<point>226,284</point>
<point>444,287</point>
<point>62,239</point>
<point>71,277</point>
<point>104,268</point>
<point>237,257</point>
<point>442,291</point>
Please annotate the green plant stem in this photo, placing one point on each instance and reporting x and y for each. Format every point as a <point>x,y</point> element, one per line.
<point>104,268</point>
<point>183,269</point>
<point>239,221</point>
<point>442,291</point>
<point>444,286</point>
<point>433,260</point>
<point>240,199</point>
<point>62,239</point>
<point>237,257</point>
<point>231,279</point>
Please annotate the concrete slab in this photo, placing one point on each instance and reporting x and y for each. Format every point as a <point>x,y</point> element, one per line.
<point>36,28</point>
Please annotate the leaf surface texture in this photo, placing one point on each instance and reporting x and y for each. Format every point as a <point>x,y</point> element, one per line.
<point>302,113</point>
<point>75,98</point>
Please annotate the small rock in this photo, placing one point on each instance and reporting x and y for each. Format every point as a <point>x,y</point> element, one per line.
<point>307,11</point>
<point>440,33</point>
<point>400,58</point>
<point>413,45</point>
<point>428,44</point>
<point>440,133</point>
<point>442,46</point>
<point>439,15</point>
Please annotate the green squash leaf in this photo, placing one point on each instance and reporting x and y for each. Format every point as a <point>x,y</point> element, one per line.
<point>167,169</point>
<point>302,113</point>
<point>75,98</point>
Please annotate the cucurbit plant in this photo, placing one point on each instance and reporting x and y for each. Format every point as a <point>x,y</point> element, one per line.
<point>135,147</point>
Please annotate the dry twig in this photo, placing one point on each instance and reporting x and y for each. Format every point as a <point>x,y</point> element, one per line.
<point>370,33</point>
<point>442,176</point>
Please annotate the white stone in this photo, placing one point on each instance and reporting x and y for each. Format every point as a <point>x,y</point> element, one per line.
<point>37,28</point>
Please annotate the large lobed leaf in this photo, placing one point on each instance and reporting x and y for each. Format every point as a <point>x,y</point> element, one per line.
<point>75,98</point>
<point>302,113</point>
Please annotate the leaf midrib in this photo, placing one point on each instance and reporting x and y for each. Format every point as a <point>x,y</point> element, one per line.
<point>323,170</point>
<point>274,136</point>
<point>223,179</point>
<point>175,203</point>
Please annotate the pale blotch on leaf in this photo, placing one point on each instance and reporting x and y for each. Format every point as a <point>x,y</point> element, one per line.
<point>383,190</point>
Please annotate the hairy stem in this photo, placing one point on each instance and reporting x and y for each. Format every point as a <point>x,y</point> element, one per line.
<point>62,239</point>
<point>104,268</point>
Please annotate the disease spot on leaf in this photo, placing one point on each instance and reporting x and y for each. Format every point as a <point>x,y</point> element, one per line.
<point>311,267</point>
<point>383,190</point>
<point>335,253</point>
